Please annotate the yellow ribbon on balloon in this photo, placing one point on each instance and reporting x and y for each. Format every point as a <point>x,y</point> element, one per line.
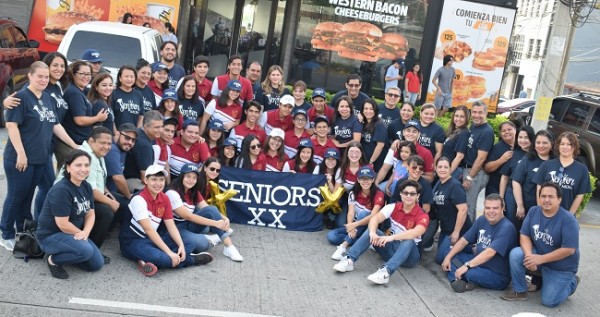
<point>218,198</point>
<point>330,200</point>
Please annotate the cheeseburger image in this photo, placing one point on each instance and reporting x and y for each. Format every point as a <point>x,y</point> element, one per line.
<point>326,35</point>
<point>392,46</point>
<point>154,22</point>
<point>358,40</point>
<point>57,24</point>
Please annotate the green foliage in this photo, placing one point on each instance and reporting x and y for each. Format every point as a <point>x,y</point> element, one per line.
<point>587,197</point>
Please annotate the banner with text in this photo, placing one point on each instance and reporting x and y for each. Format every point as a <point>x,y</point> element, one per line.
<point>274,200</point>
<point>477,36</point>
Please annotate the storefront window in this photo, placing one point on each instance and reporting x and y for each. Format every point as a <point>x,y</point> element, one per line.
<point>330,44</point>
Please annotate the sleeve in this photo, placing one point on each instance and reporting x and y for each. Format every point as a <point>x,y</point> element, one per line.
<point>506,169</point>
<point>286,167</point>
<point>210,108</point>
<point>138,208</point>
<point>389,72</point>
<point>142,157</point>
<point>90,194</point>
<point>380,134</point>
<point>59,201</point>
<point>357,127</point>
<point>439,137</point>
<point>98,105</point>
<point>570,233</point>
<point>487,141</point>
<point>17,114</point>
<point>526,226</point>
<point>113,164</point>
<point>248,91</point>
<point>351,199</point>
<point>461,143</point>
<point>214,90</point>
<point>428,158</point>
<point>262,121</point>
<point>204,151</point>
<point>338,176</point>
<point>472,233</point>
<point>77,105</point>
<point>387,210</point>
<point>426,193</point>
<point>584,185</point>
<point>379,199</point>
<point>396,193</point>
<point>174,198</point>
<point>518,174</point>
<point>502,240</point>
<point>540,175</point>
<point>389,158</point>
<point>437,74</point>
<point>168,210</point>
<point>459,196</point>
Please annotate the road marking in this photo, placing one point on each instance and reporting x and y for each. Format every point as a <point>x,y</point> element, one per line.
<point>589,226</point>
<point>158,308</point>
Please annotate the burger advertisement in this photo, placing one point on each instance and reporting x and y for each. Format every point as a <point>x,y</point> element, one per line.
<point>52,18</point>
<point>359,40</point>
<point>477,36</point>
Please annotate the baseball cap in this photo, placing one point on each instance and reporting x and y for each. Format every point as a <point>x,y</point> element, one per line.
<point>229,142</point>
<point>277,132</point>
<point>155,169</point>
<point>189,122</point>
<point>365,171</point>
<point>92,56</point>
<point>159,66</point>
<point>189,167</point>
<point>321,119</point>
<point>287,100</point>
<point>234,85</point>
<point>127,127</point>
<point>169,93</point>
<point>332,152</point>
<point>319,92</point>
<point>216,124</point>
<point>413,124</point>
<point>298,111</point>
<point>305,143</point>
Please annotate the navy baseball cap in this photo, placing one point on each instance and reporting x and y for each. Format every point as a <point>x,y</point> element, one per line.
<point>365,171</point>
<point>189,167</point>
<point>92,56</point>
<point>298,111</point>
<point>169,94</point>
<point>305,143</point>
<point>159,66</point>
<point>216,124</point>
<point>234,85</point>
<point>229,142</point>
<point>332,152</point>
<point>319,92</point>
<point>413,124</point>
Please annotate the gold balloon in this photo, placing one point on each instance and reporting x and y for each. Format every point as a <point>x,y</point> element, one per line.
<point>330,201</point>
<point>218,198</point>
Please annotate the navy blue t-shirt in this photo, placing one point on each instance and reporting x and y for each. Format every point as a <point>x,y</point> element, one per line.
<point>64,199</point>
<point>369,142</point>
<point>305,106</point>
<point>388,115</point>
<point>140,156</point>
<point>430,135</point>
<point>110,120</point>
<point>62,106</point>
<point>550,233</point>
<point>445,198</point>
<point>36,119</point>
<point>501,237</point>
<point>356,102</point>
<point>493,185</point>
<point>573,179</point>
<point>115,164</point>
<point>79,106</point>
<point>190,109</point>
<point>426,196</point>
<point>523,174</point>
<point>343,129</point>
<point>127,106</point>
<point>148,97</point>
<point>394,130</point>
<point>269,101</point>
<point>456,144</point>
<point>481,138</point>
<point>509,167</point>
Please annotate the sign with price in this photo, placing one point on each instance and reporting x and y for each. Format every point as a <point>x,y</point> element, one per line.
<point>477,36</point>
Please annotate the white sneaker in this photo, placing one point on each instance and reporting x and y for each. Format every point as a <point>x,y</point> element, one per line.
<point>213,239</point>
<point>345,265</point>
<point>382,276</point>
<point>428,249</point>
<point>232,253</point>
<point>339,253</point>
<point>8,244</point>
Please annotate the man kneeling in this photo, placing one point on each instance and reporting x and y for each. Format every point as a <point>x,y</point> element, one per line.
<point>408,223</point>
<point>494,236</point>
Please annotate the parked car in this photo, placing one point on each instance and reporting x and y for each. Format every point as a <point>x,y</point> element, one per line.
<point>119,44</point>
<point>521,116</point>
<point>17,53</point>
<point>514,104</point>
<point>579,113</point>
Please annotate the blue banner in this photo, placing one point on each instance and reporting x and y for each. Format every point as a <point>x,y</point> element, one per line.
<point>274,200</point>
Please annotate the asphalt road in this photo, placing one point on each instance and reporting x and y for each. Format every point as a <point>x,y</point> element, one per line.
<point>283,274</point>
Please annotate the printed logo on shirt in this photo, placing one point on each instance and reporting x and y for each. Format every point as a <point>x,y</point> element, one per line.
<point>386,120</point>
<point>344,133</point>
<point>196,156</point>
<point>60,103</point>
<point>470,143</point>
<point>44,113</point>
<point>147,104</point>
<point>439,198</point>
<point>273,99</point>
<point>565,182</point>
<point>542,235</point>
<point>425,140</point>
<point>160,211</point>
<point>484,240</point>
<point>367,137</point>
<point>189,113</point>
<point>129,106</point>
<point>83,206</point>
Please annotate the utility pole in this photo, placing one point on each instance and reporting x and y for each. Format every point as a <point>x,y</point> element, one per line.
<point>554,67</point>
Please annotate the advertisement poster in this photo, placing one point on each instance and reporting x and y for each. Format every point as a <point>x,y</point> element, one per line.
<point>477,36</point>
<point>51,19</point>
<point>362,38</point>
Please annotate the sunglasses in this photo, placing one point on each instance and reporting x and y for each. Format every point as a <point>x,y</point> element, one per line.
<point>254,146</point>
<point>214,169</point>
<point>393,95</point>
<point>416,168</point>
<point>128,138</point>
<point>408,194</point>
<point>84,74</point>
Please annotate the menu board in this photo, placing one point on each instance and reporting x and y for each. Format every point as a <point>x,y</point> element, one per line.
<point>477,36</point>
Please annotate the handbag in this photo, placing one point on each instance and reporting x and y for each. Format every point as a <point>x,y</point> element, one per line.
<point>26,245</point>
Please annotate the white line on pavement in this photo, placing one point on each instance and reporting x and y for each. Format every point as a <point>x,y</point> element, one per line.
<point>158,308</point>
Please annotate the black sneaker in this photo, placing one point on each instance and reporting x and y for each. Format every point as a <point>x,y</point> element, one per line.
<point>57,271</point>
<point>106,259</point>
<point>202,258</point>
<point>577,281</point>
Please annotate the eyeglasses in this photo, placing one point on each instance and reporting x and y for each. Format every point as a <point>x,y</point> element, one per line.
<point>416,168</point>
<point>300,119</point>
<point>353,85</point>
<point>128,138</point>
<point>214,169</point>
<point>254,146</point>
<point>96,63</point>
<point>393,95</point>
<point>408,194</point>
<point>84,74</point>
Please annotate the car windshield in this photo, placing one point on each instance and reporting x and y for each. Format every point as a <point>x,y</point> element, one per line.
<point>115,50</point>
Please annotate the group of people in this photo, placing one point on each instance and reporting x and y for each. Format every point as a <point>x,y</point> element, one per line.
<point>145,152</point>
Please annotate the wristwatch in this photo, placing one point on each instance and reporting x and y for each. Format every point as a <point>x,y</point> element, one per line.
<point>468,265</point>
<point>469,178</point>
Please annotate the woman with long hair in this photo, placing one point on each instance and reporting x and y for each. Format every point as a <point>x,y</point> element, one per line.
<point>144,74</point>
<point>227,108</point>
<point>457,138</point>
<point>190,103</point>
<point>374,134</point>
<point>159,80</point>
<point>271,89</point>
<point>499,155</point>
<point>303,161</point>
<point>228,152</point>
<point>345,127</point>
<point>274,151</point>
<point>330,167</point>
<point>251,156</point>
<point>99,95</point>
<point>127,103</point>
<point>194,217</point>
<point>394,129</point>
<point>412,84</point>
<point>214,136</point>
<point>169,107</point>
<point>348,174</point>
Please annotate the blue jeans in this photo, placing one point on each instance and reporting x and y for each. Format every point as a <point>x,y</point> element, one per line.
<point>556,287</point>
<point>342,217</point>
<point>411,96</point>
<point>511,208</point>
<point>396,253</point>
<point>19,194</point>
<point>65,250</point>
<point>43,187</point>
<point>481,276</point>
<point>429,236</point>
<point>477,185</point>
<point>144,249</point>
<point>443,248</point>
<point>339,235</point>
<point>194,233</point>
